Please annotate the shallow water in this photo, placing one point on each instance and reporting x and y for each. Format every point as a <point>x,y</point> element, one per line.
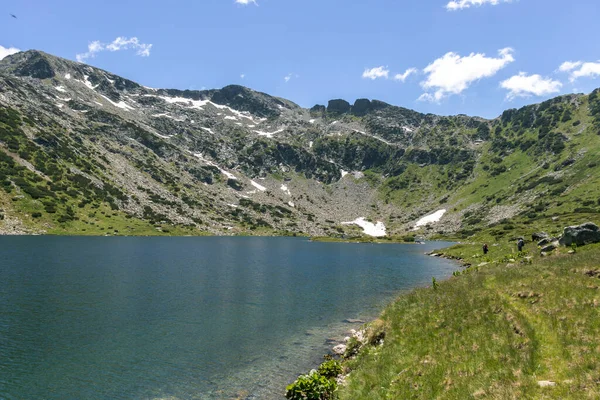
<point>185,318</point>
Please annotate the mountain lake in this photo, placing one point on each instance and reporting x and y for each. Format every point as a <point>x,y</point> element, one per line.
<point>186,317</point>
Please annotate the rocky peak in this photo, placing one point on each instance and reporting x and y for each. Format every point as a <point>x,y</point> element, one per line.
<point>32,63</point>
<point>338,106</point>
<point>244,99</point>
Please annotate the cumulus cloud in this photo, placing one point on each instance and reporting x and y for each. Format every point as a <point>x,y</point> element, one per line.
<point>406,74</point>
<point>452,74</point>
<point>569,66</point>
<point>246,2</point>
<point>7,51</point>
<point>523,85</point>
<point>120,43</point>
<point>462,4</point>
<point>375,73</point>
<point>242,76</point>
<point>580,69</point>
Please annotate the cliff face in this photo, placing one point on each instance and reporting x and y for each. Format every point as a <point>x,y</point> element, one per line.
<point>79,144</point>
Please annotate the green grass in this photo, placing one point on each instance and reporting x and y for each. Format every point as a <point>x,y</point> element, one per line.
<point>492,332</point>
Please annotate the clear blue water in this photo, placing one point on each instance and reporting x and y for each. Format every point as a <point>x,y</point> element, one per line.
<point>185,318</point>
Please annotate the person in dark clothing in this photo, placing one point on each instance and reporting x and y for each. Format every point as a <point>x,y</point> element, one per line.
<point>520,244</point>
<point>485,249</point>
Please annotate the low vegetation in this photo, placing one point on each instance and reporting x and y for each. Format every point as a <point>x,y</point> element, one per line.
<point>512,325</point>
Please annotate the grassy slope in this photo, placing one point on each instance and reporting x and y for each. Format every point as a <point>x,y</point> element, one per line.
<point>492,332</point>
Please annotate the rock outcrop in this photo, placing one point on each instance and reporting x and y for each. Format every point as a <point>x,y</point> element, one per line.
<point>581,235</point>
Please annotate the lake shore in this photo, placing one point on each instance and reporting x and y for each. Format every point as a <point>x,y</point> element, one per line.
<point>477,333</point>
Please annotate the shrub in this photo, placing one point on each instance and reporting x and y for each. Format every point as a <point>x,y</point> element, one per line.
<point>330,369</point>
<point>312,386</point>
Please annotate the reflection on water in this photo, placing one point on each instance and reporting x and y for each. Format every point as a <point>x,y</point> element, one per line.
<point>184,318</point>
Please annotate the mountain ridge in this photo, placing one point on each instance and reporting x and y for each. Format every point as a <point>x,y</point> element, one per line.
<point>238,161</point>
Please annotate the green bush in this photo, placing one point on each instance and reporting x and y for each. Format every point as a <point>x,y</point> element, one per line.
<point>312,386</point>
<point>330,369</point>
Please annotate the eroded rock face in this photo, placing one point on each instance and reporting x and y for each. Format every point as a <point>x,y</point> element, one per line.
<point>581,235</point>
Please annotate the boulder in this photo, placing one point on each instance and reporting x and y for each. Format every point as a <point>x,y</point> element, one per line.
<point>581,235</point>
<point>545,241</point>
<point>551,247</point>
<point>340,349</point>
<point>536,237</point>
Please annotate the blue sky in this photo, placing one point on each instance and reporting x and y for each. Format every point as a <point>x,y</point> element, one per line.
<point>475,57</point>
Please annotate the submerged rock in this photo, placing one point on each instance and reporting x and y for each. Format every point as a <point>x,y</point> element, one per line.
<point>581,235</point>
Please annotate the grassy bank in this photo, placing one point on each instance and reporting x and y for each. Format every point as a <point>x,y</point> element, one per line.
<point>508,327</point>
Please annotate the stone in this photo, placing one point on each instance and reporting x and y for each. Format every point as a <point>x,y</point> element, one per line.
<point>581,235</point>
<point>340,349</point>
<point>555,219</point>
<point>546,383</point>
<point>545,241</point>
<point>551,247</point>
<point>536,237</point>
<point>354,321</point>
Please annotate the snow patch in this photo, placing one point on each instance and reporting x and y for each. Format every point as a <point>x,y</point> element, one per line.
<point>334,122</point>
<point>310,144</point>
<point>64,99</point>
<point>344,173</point>
<point>164,115</point>
<point>212,164</point>
<point>67,76</point>
<point>259,187</point>
<point>60,89</point>
<point>286,190</point>
<point>269,134</point>
<point>100,104</point>
<point>207,130</point>
<point>369,228</point>
<point>86,82</point>
<point>312,121</point>
<point>291,204</point>
<point>430,219</point>
<point>120,104</point>
<point>229,117</point>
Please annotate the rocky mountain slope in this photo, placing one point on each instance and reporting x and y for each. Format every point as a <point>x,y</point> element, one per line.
<point>84,151</point>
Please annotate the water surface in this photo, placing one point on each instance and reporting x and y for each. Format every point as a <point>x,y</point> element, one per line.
<point>185,318</point>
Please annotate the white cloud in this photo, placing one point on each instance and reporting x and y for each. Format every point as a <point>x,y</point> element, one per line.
<point>246,2</point>
<point>569,66</point>
<point>462,4</point>
<point>406,74</point>
<point>375,73</point>
<point>523,85</point>
<point>452,74</point>
<point>580,69</point>
<point>120,43</point>
<point>242,76</point>
<point>4,51</point>
<point>290,76</point>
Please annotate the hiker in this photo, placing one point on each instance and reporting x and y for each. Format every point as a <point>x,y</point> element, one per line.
<point>520,244</point>
<point>485,249</point>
